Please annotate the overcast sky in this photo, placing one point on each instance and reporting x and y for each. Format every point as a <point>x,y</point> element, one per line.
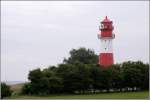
<point>37,34</point>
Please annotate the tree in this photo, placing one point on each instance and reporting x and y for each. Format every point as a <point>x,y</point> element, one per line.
<point>26,89</point>
<point>54,83</point>
<point>66,72</point>
<point>145,85</point>
<point>82,55</point>
<point>115,75</point>
<point>82,77</point>
<point>5,90</point>
<point>43,82</point>
<point>106,79</point>
<point>39,83</point>
<point>134,74</point>
<point>75,77</point>
<point>95,74</point>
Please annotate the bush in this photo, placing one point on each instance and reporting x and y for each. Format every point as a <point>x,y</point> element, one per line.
<point>5,90</point>
<point>26,89</point>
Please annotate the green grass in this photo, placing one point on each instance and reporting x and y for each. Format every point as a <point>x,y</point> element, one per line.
<point>143,95</point>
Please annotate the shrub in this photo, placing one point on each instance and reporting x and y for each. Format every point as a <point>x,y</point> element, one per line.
<point>5,90</point>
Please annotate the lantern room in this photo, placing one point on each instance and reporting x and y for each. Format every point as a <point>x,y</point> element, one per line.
<point>106,28</point>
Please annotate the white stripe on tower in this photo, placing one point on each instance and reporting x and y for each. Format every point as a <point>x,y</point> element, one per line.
<point>106,45</point>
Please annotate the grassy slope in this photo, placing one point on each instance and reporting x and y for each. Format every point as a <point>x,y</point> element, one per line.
<point>16,88</point>
<point>125,95</point>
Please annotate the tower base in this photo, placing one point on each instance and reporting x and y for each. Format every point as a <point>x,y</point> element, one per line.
<point>106,59</point>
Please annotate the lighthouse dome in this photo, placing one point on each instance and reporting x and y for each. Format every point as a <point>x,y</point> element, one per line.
<point>106,20</point>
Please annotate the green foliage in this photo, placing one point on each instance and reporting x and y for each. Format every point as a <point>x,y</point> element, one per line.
<point>75,77</point>
<point>26,89</point>
<point>5,90</point>
<point>42,82</point>
<point>145,84</point>
<point>135,74</point>
<point>80,74</point>
<point>82,55</point>
<point>55,85</point>
<point>38,82</point>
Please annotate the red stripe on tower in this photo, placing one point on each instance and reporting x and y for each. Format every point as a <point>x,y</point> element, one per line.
<point>106,36</point>
<point>106,59</point>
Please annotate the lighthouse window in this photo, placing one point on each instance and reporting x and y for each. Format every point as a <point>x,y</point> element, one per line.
<point>102,26</point>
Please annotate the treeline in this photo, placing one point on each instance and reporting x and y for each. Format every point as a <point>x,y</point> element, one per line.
<point>80,73</point>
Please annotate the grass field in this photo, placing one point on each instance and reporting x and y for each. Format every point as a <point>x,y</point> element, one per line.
<point>126,95</point>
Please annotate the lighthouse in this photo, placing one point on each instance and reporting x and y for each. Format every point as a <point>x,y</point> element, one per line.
<point>106,36</point>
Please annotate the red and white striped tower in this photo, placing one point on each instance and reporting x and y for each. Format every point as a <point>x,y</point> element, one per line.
<point>106,36</point>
